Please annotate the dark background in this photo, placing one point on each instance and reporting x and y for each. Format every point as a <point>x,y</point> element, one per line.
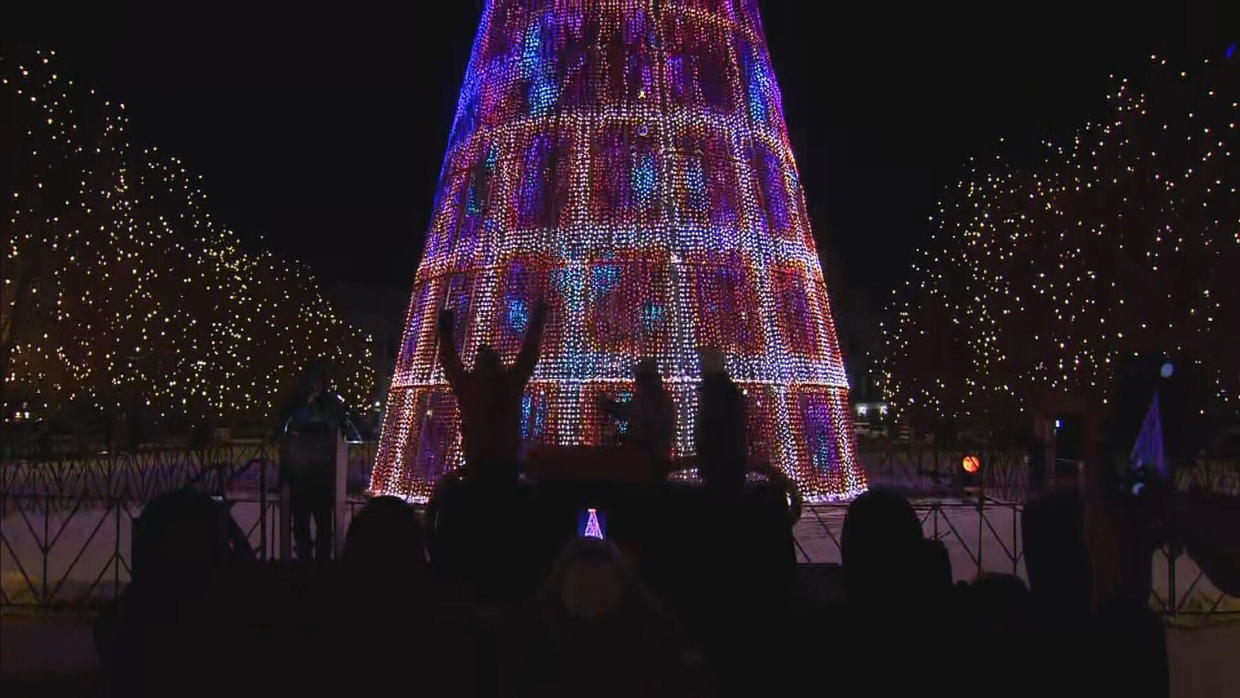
<point>320,129</point>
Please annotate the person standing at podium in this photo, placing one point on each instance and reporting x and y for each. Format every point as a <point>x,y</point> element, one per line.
<point>308,465</point>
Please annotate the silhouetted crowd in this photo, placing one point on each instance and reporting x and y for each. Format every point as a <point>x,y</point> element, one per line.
<point>694,589</point>
<point>494,592</point>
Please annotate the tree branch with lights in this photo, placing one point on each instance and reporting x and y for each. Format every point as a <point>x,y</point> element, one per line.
<point>121,293</point>
<point>1125,241</point>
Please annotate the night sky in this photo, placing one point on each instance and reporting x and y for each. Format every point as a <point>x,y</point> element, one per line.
<point>320,129</point>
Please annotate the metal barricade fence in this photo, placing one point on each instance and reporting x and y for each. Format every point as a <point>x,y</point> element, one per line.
<point>983,537</point>
<point>65,523</point>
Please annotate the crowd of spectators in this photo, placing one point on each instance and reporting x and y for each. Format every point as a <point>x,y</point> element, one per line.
<point>691,590</point>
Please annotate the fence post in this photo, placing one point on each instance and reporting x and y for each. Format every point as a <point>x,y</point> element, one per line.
<point>1172,601</point>
<point>116,552</point>
<point>340,494</point>
<point>44,547</point>
<point>981,520</point>
<point>286,541</point>
<point>1015,554</point>
<point>262,507</point>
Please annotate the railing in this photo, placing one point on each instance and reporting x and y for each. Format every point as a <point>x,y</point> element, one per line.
<point>1218,476</point>
<point>65,524</point>
<point>923,470</point>
<point>983,536</point>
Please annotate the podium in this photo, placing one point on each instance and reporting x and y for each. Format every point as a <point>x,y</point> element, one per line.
<point>340,476</point>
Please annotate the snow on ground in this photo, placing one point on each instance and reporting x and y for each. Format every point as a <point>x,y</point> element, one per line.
<point>51,654</point>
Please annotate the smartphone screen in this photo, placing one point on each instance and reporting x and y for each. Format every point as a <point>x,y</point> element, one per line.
<point>1136,479</point>
<point>592,523</point>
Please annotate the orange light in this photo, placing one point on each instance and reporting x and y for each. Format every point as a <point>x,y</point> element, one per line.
<point>971,464</point>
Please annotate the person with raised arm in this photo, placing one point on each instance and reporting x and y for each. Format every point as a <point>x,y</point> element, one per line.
<point>489,398</point>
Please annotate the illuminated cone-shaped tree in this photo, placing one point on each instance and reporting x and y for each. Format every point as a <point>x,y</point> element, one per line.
<point>628,163</point>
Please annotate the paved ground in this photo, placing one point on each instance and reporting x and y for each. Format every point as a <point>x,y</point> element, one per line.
<point>52,655</point>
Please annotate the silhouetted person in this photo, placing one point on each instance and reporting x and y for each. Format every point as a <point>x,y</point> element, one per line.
<point>1000,601</point>
<point>1061,588</point>
<point>895,585</point>
<point>881,547</point>
<point>719,434</point>
<point>1102,636</point>
<point>310,435</point>
<point>995,623</point>
<point>383,629</point>
<point>480,541</point>
<point>934,572</point>
<point>1053,534</point>
<point>1130,654</point>
<point>651,415</point>
<point>168,623</point>
<point>489,399</point>
<point>732,563</point>
<point>385,546</point>
<point>595,630</point>
<point>477,518</point>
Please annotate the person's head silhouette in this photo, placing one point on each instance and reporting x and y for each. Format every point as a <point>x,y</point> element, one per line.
<point>589,579</point>
<point>1056,556</point>
<point>385,542</point>
<point>177,540</point>
<point>881,545</point>
<point>646,375</point>
<point>712,361</point>
<point>487,362</point>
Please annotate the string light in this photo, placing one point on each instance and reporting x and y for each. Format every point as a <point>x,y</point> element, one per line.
<point>1125,240</point>
<point>628,163</point>
<point>121,291</point>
